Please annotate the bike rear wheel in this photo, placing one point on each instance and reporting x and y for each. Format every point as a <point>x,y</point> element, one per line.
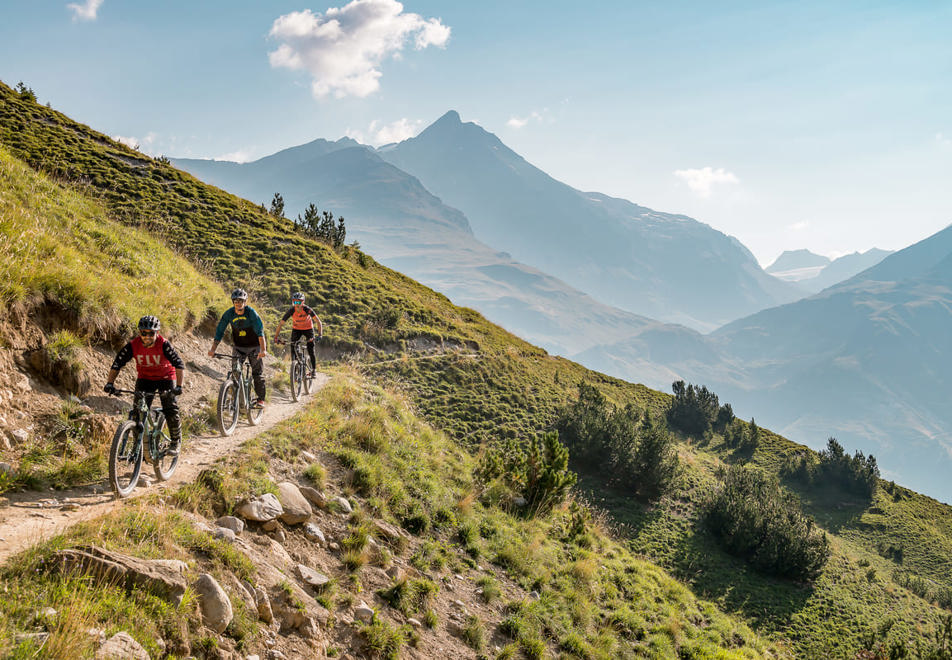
<point>297,379</point>
<point>163,464</point>
<point>228,407</point>
<point>125,459</point>
<point>254,413</point>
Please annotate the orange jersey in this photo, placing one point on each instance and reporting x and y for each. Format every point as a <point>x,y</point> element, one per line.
<point>301,317</point>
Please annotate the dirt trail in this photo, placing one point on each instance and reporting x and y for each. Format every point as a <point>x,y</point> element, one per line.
<point>27,518</point>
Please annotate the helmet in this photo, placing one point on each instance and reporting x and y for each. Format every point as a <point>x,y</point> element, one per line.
<point>149,323</point>
<point>239,294</point>
<point>298,295</point>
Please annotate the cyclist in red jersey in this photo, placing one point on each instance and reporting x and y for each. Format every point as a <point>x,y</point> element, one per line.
<point>157,363</point>
<point>304,322</point>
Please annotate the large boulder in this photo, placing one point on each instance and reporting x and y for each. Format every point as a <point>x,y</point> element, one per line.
<point>163,577</point>
<point>216,606</point>
<point>296,508</point>
<point>260,509</point>
<point>122,646</point>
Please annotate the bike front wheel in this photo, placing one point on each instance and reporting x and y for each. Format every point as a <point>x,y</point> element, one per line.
<point>297,379</point>
<point>228,407</point>
<point>163,464</point>
<point>254,413</point>
<point>125,459</point>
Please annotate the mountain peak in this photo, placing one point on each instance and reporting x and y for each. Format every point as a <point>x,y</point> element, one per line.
<point>451,117</point>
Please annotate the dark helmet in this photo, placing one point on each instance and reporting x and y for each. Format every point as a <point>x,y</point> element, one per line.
<point>239,294</point>
<point>149,323</point>
<point>298,295</point>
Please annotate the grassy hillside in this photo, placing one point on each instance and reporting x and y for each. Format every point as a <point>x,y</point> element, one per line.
<point>492,386</point>
<point>62,247</point>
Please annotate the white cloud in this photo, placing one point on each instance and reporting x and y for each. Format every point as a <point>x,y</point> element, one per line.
<point>799,226</point>
<point>378,134</point>
<point>237,156</point>
<point>943,139</point>
<point>141,144</point>
<point>344,48</point>
<point>520,122</point>
<point>85,11</point>
<point>701,181</point>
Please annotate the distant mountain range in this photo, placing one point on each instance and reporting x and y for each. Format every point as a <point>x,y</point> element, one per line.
<point>669,267</point>
<point>814,272</point>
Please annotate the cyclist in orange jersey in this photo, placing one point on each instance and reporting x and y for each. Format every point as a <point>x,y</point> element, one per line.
<point>304,321</point>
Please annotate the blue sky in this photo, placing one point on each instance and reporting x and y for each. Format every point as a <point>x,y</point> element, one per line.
<point>786,124</point>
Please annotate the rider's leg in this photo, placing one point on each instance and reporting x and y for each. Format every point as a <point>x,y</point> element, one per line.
<point>257,375</point>
<point>144,389</point>
<point>171,411</point>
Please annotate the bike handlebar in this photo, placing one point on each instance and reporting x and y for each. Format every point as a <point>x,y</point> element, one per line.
<point>117,392</point>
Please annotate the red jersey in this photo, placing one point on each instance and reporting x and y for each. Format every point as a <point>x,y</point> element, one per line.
<point>152,362</point>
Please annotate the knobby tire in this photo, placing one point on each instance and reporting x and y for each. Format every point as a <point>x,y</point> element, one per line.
<point>123,472</point>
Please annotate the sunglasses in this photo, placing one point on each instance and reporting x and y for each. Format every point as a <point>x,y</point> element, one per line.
<point>297,302</point>
<point>147,333</point>
<point>239,300</point>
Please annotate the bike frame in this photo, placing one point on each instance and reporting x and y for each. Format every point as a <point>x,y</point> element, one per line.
<point>240,372</point>
<point>143,419</point>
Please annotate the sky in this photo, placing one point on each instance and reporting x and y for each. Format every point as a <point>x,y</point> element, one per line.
<point>818,125</point>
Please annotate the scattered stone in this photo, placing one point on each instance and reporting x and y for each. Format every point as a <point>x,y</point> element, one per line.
<point>7,470</point>
<point>312,577</point>
<point>98,635</point>
<point>122,646</point>
<point>252,657</point>
<point>202,526</point>
<point>459,577</point>
<point>260,509</point>
<point>271,526</point>
<point>314,496</point>
<point>390,533</point>
<point>310,629</point>
<point>364,612</point>
<point>264,605</point>
<point>275,654</point>
<point>69,506</point>
<point>38,638</point>
<point>414,623</point>
<point>144,482</point>
<point>460,604</point>
<point>534,595</point>
<point>19,436</point>
<point>333,546</point>
<point>216,607</point>
<point>237,525</point>
<point>519,501</point>
<point>309,457</point>
<point>296,508</point>
<point>224,533</point>
<point>163,577</point>
<point>314,533</point>
<point>279,535</point>
<point>48,613</point>
<point>343,504</point>
<point>5,441</point>
<point>396,573</point>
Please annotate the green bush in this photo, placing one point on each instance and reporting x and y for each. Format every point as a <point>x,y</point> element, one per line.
<point>755,518</point>
<point>537,471</point>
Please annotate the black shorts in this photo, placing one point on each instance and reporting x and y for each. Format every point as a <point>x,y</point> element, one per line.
<point>297,334</point>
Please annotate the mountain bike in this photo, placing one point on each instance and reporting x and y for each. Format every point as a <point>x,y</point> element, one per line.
<point>302,376</point>
<point>234,395</point>
<point>126,453</point>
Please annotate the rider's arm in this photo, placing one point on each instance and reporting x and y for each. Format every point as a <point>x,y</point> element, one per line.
<point>278,330</point>
<point>122,357</point>
<point>172,356</point>
<point>220,329</point>
<point>316,320</point>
